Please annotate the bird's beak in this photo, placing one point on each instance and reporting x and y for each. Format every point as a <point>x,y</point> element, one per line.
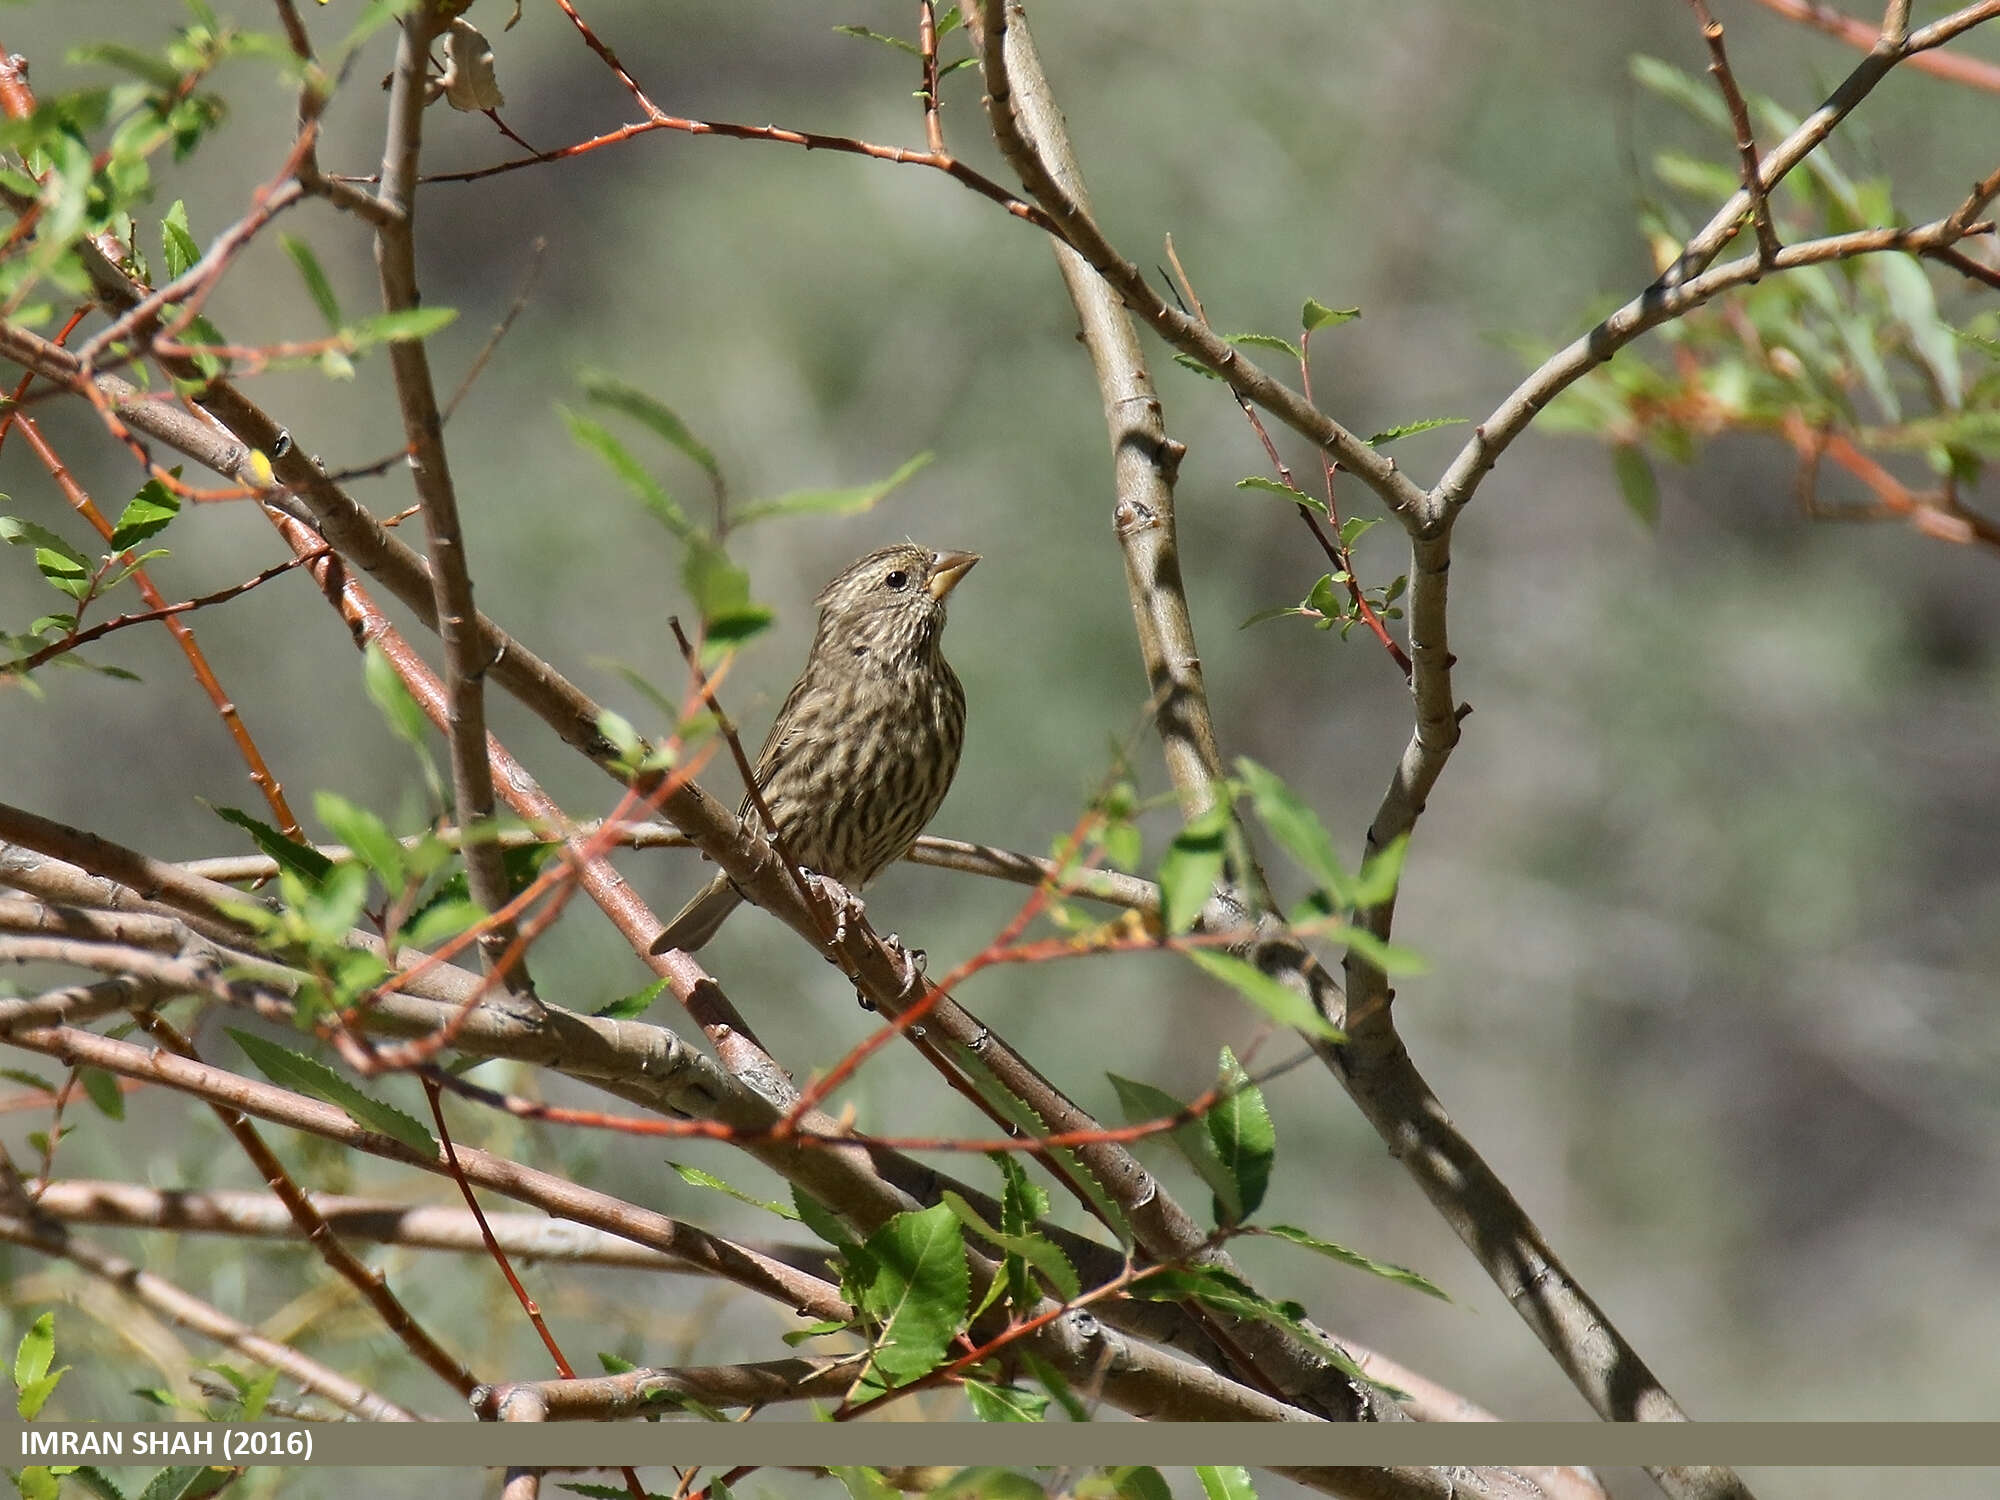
<point>947,568</point>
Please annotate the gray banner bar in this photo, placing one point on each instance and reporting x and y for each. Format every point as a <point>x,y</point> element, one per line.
<point>594,1444</point>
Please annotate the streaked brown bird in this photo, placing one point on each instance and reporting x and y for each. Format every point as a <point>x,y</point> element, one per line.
<point>865,746</point>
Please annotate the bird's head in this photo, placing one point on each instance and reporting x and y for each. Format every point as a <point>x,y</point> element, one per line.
<point>891,600</point>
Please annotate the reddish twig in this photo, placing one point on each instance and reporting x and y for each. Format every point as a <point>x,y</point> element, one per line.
<point>225,706</point>
<point>1859,34</point>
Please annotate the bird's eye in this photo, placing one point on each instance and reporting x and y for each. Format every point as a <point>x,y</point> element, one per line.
<point>898,579</point>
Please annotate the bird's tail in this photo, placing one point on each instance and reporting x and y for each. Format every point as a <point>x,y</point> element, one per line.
<point>699,919</point>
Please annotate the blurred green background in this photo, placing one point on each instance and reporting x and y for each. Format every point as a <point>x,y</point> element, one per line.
<point>1708,887</point>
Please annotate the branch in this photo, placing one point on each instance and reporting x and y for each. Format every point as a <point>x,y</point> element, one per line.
<point>177,1306</point>
<point>466,655</point>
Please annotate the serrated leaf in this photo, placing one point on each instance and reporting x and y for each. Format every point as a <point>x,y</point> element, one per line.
<point>317,286</point>
<point>607,389</point>
<point>993,1403</point>
<point>1296,826</point>
<point>1213,1287</point>
<point>1246,1140</point>
<point>55,559</point>
<point>839,502</point>
<point>146,514</point>
<point>1319,315</point>
<point>1191,866</point>
<point>636,1004</point>
<point>917,1289</point>
<point>987,1483</point>
<point>1354,528</point>
<point>696,1177</point>
<point>98,1483</point>
<point>1282,490</point>
<point>187,1482</point>
<point>1636,483</point>
<point>1053,1381</point>
<point>1425,424</point>
<point>1275,1000</point>
<point>301,859</point>
<point>294,1070</point>
<point>1398,1274</point>
<point>1142,1104</point>
<point>613,1364</point>
<point>406,326</point>
<point>1267,341</point>
<point>1189,362</point>
<point>1035,1249</point>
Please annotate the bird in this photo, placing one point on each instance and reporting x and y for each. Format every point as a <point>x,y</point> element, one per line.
<point>865,745</point>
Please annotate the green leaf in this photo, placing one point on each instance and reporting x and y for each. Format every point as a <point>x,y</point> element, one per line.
<point>367,835</point>
<point>1319,315</point>
<point>317,286</point>
<point>98,1482</point>
<point>407,326</point>
<point>1424,425</point>
<point>440,919</point>
<point>103,1090</point>
<point>145,515</point>
<point>845,502</point>
<point>178,249</point>
<point>1636,482</point>
<point>36,1351</point>
<point>916,1288</point>
<point>635,1004</point>
<point>1277,611</point>
<point>1139,1482</point>
<point>61,564</point>
<point>1399,1274</point>
<point>301,859</point>
<point>822,1221</point>
<point>1213,1287</point>
<point>1915,307</point>
<point>1246,1141</point>
<point>721,591</point>
<point>1280,1003</point>
<point>600,440</point>
<point>1035,1249</point>
<point>146,67</point>
<point>1189,362</point>
<point>989,1484</point>
<point>696,1177</point>
<point>293,1070</point>
<point>1225,1482</point>
<point>187,1482</point>
<point>391,696</point>
<point>608,390</point>
<point>1354,528</point>
<point>876,36</point>
<point>1296,826</point>
<point>1191,866</point>
<point>1056,1385</point>
<point>1282,490</point>
<point>1267,341</point>
<point>1143,1104</point>
<point>1682,89</point>
<point>993,1403</point>
<point>1381,873</point>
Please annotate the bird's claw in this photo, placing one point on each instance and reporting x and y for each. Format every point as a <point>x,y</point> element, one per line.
<point>911,961</point>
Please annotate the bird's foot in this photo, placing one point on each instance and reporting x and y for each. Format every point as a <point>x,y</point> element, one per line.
<point>911,961</point>
<point>842,903</point>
